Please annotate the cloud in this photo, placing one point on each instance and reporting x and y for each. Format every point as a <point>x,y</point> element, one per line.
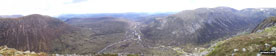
<point>75,1</point>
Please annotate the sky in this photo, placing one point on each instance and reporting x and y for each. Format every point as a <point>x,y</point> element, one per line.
<point>57,7</point>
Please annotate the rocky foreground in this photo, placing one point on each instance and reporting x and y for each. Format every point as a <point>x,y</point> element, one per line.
<point>5,51</point>
<point>263,39</point>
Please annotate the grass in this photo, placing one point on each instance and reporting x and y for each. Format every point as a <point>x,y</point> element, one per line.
<point>253,43</point>
<point>5,51</point>
<point>132,55</point>
<point>107,55</point>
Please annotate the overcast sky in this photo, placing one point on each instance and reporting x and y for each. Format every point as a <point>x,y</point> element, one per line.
<point>56,7</point>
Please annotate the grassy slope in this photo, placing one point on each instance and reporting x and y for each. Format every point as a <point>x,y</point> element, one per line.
<point>252,42</point>
<point>5,51</point>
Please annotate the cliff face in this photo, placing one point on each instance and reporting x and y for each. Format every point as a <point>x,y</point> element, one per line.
<point>33,32</point>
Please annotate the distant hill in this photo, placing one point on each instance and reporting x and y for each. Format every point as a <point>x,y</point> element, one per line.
<point>10,16</point>
<point>130,16</point>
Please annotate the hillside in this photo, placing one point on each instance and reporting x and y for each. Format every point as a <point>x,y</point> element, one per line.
<point>183,33</point>
<point>248,44</point>
<point>185,30</point>
<point>110,35</point>
<point>94,35</point>
<point>5,51</point>
<point>266,23</point>
<point>33,32</point>
<point>201,26</point>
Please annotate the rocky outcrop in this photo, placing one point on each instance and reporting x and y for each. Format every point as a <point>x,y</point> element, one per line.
<point>266,23</point>
<point>247,44</point>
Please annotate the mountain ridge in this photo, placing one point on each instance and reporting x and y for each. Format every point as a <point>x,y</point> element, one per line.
<point>32,32</point>
<point>153,35</point>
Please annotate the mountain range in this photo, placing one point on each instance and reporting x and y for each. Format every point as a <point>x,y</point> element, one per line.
<point>143,34</point>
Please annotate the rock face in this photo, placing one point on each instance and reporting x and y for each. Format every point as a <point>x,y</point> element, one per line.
<point>33,32</point>
<point>266,23</point>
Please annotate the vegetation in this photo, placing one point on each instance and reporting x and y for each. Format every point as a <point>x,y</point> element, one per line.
<point>107,55</point>
<point>132,55</point>
<point>117,55</point>
<point>251,43</point>
<point>32,32</point>
<point>266,23</point>
<point>5,51</point>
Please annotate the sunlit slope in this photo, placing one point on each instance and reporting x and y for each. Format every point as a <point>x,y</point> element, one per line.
<point>248,44</point>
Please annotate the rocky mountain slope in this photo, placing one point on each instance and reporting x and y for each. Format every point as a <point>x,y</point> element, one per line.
<point>172,35</point>
<point>163,35</point>
<point>32,32</point>
<point>248,44</point>
<point>266,23</point>
<point>95,34</point>
<point>110,35</point>
<point>200,26</point>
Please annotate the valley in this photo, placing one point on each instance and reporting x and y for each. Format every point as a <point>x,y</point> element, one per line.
<point>198,32</point>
